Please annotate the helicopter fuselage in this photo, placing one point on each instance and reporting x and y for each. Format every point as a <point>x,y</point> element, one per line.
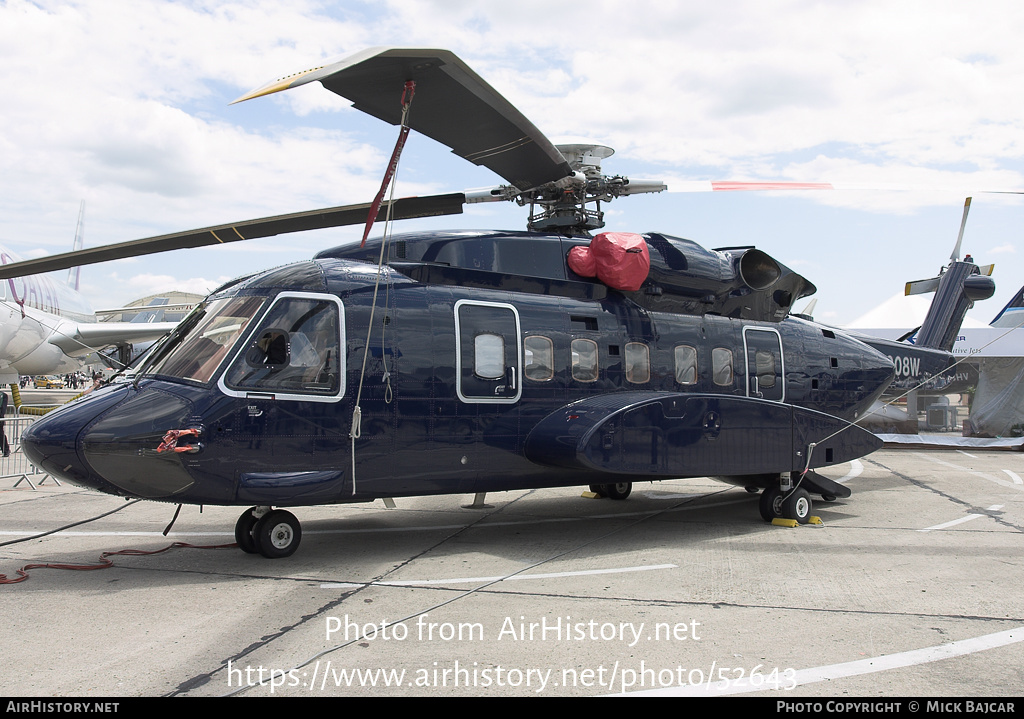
<point>465,380</point>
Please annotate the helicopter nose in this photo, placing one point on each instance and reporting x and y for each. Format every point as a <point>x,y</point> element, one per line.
<point>51,442</point>
<point>111,443</point>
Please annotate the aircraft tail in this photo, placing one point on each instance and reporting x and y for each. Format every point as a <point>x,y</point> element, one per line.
<point>958,286</point>
<point>1013,314</point>
<point>74,274</point>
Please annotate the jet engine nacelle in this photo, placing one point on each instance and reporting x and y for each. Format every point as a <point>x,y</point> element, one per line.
<point>757,269</point>
<point>741,282</point>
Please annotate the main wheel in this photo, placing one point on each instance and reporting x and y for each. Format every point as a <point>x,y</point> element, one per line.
<point>243,532</point>
<point>770,503</point>
<point>277,534</point>
<point>617,490</point>
<point>797,505</point>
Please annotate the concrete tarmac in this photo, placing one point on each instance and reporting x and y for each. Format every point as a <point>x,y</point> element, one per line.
<point>910,588</point>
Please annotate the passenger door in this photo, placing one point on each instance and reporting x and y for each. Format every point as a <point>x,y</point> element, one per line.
<point>489,352</point>
<point>765,363</point>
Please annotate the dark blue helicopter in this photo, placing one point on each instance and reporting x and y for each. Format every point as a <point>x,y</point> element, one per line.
<point>469,362</point>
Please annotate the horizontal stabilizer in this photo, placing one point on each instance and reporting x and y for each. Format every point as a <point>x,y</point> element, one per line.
<point>920,287</point>
<point>668,434</point>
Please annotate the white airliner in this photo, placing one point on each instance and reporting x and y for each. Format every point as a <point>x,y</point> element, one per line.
<point>47,327</point>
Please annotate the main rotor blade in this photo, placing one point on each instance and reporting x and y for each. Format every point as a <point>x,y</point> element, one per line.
<point>785,185</point>
<point>402,209</point>
<point>452,105</point>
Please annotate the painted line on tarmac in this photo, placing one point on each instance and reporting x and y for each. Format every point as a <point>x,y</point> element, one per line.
<point>983,475</point>
<point>1014,476</point>
<point>413,528</point>
<point>947,525</point>
<point>968,518</point>
<point>500,577</point>
<point>856,468</point>
<point>22,533</point>
<point>831,672</point>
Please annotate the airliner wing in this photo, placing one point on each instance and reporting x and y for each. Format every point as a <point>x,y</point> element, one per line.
<point>88,337</point>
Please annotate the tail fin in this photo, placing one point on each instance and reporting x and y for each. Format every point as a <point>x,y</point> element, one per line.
<point>74,274</point>
<point>1013,314</point>
<point>958,286</point>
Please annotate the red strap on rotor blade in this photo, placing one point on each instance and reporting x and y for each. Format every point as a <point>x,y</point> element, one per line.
<point>410,90</point>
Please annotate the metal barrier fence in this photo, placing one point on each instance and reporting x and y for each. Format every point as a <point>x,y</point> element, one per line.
<point>16,466</point>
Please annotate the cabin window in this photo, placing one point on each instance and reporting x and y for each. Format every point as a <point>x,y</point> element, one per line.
<point>721,366</point>
<point>765,366</point>
<point>584,360</point>
<point>295,350</point>
<point>638,362</point>
<point>489,356</point>
<point>686,364</point>
<point>540,358</point>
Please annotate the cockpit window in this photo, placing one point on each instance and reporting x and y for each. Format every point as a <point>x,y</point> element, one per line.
<point>206,344</point>
<point>296,350</point>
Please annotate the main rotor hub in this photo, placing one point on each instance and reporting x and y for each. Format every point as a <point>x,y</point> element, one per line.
<point>585,157</point>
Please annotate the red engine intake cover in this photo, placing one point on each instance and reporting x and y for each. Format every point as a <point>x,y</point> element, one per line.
<point>619,259</point>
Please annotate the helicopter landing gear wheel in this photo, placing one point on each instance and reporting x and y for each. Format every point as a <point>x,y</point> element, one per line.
<point>797,505</point>
<point>277,534</point>
<point>243,531</point>
<point>617,490</point>
<point>770,503</point>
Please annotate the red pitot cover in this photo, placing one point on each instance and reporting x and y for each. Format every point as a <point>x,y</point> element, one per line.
<point>618,259</point>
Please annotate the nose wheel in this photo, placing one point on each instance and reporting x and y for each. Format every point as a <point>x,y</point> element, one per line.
<point>776,503</point>
<point>274,533</point>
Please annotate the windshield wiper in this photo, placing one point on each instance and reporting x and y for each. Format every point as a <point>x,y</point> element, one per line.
<point>171,340</point>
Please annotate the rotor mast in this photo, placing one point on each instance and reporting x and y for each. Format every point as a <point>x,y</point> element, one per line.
<point>563,204</point>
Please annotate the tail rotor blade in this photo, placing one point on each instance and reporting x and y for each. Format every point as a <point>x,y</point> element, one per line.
<point>960,238</point>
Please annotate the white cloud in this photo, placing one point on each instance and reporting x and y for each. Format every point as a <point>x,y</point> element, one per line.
<point>124,104</point>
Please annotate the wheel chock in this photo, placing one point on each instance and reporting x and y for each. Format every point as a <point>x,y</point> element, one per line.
<point>780,522</point>
<point>590,495</point>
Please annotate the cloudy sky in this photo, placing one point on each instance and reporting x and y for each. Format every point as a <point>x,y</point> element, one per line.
<point>125,105</point>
